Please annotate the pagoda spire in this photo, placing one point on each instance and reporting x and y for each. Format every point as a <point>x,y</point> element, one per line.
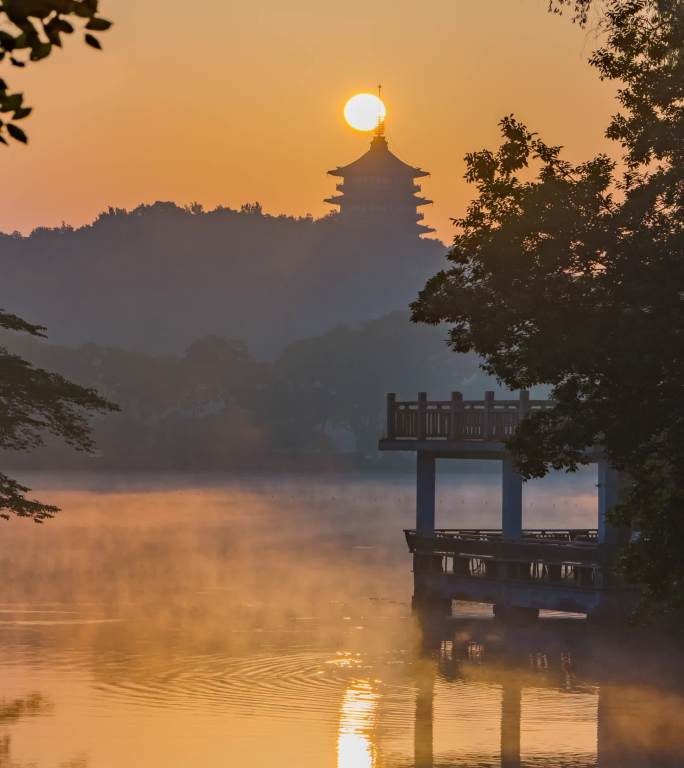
<point>380,127</point>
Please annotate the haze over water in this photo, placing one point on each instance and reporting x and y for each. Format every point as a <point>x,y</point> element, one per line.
<point>266,622</point>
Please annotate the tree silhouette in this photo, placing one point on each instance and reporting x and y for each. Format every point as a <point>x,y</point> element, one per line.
<point>576,278</point>
<point>35,402</point>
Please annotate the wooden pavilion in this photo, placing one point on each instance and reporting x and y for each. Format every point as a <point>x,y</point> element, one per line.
<point>518,571</point>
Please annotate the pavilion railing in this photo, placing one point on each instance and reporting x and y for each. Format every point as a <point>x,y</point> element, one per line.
<point>553,535</point>
<point>570,557</point>
<point>458,419</point>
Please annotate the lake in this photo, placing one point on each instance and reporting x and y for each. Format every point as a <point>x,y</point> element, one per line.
<point>265,621</point>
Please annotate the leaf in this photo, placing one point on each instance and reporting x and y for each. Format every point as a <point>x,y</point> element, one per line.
<point>7,41</point>
<point>20,114</point>
<point>3,140</point>
<point>16,62</point>
<point>53,36</point>
<point>63,26</point>
<point>92,41</point>
<point>11,103</point>
<point>41,51</point>
<point>98,25</point>
<point>16,133</point>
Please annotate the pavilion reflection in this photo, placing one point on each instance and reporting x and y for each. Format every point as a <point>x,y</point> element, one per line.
<point>424,732</point>
<point>637,725</point>
<point>424,724</point>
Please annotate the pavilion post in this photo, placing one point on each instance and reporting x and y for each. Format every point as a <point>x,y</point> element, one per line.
<point>608,496</point>
<point>425,493</point>
<point>421,427</point>
<point>391,417</point>
<point>488,416</point>
<point>511,500</point>
<point>455,409</point>
<point>426,564</point>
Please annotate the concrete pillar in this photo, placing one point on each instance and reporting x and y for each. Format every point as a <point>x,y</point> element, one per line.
<point>511,501</point>
<point>427,602</point>
<point>425,493</point>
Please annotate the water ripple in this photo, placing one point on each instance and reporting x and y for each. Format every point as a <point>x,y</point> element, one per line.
<point>284,685</point>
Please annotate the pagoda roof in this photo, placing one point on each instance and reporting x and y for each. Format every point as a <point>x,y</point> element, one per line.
<point>378,161</point>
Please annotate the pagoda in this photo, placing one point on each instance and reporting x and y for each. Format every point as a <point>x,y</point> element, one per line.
<point>379,190</point>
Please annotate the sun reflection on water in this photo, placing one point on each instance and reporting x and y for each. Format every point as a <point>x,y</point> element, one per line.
<point>355,747</point>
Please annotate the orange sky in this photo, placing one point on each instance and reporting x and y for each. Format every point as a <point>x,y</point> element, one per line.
<point>243,102</point>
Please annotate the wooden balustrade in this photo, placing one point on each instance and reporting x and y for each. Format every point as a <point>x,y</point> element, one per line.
<point>559,545</point>
<point>560,535</point>
<point>569,556</point>
<point>569,575</point>
<point>458,419</point>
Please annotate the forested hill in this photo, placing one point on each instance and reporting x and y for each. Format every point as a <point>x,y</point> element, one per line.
<point>158,277</point>
<point>215,407</point>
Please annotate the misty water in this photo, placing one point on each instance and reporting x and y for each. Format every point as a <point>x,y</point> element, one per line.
<point>266,621</point>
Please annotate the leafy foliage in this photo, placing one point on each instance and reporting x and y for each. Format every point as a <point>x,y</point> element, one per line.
<point>29,32</point>
<point>573,275</point>
<point>580,9</point>
<point>35,402</point>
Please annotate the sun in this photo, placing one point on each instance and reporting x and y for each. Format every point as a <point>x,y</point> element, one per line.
<point>364,111</point>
